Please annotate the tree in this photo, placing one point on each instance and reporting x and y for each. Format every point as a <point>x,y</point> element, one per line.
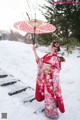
<point>66,17</point>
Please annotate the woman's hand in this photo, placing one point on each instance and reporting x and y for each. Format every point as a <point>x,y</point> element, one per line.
<point>35,53</point>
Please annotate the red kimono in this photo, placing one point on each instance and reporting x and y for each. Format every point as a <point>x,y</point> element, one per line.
<point>48,85</point>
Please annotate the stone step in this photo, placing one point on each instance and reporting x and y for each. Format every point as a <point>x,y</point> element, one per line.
<point>26,96</point>
<point>7,81</point>
<point>29,99</point>
<point>3,76</point>
<point>39,110</point>
<point>12,88</point>
<point>17,91</point>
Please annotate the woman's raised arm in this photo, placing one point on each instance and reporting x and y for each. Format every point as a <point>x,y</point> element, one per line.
<point>35,53</point>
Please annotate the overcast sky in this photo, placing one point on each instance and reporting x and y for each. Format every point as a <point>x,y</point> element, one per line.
<point>12,11</point>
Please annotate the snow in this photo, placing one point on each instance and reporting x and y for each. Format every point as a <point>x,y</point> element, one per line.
<point>17,59</point>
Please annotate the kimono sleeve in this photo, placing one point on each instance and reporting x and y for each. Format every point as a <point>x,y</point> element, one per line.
<point>56,63</point>
<point>39,92</point>
<point>41,59</point>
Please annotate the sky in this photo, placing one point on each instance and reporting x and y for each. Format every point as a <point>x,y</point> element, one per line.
<point>12,11</point>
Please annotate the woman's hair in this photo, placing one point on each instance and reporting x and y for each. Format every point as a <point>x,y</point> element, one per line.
<point>56,44</point>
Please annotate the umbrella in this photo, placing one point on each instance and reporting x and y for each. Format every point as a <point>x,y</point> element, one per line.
<point>35,26</point>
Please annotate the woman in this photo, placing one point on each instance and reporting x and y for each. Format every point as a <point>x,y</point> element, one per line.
<point>47,83</point>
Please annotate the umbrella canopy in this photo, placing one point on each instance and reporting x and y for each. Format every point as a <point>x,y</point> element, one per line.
<point>35,26</point>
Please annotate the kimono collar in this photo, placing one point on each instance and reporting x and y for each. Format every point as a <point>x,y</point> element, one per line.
<point>53,54</point>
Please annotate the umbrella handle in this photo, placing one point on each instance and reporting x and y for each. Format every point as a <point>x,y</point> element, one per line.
<point>34,36</point>
<point>33,39</point>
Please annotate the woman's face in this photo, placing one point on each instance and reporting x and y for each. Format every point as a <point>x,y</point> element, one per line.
<point>51,48</point>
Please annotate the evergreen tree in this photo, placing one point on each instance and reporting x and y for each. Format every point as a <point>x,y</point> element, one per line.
<point>66,18</point>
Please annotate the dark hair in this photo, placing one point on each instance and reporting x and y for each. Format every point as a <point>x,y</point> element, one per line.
<point>56,44</point>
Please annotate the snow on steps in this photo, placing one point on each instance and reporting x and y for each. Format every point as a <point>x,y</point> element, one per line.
<point>16,87</point>
<point>19,90</point>
<point>6,80</point>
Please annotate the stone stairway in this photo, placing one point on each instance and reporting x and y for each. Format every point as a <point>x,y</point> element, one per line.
<point>18,89</point>
<point>15,86</point>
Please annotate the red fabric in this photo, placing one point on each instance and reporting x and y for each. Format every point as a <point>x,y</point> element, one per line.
<point>51,83</point>
<point>38,95</point>
<point>60,104</point>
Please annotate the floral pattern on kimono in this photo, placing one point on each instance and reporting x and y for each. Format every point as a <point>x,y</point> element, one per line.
<point>47,85</point>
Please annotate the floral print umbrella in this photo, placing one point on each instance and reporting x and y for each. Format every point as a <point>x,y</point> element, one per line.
<point>35,26</point>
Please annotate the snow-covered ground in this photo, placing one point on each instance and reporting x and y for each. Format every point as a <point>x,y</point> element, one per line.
<point>17,59</point>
